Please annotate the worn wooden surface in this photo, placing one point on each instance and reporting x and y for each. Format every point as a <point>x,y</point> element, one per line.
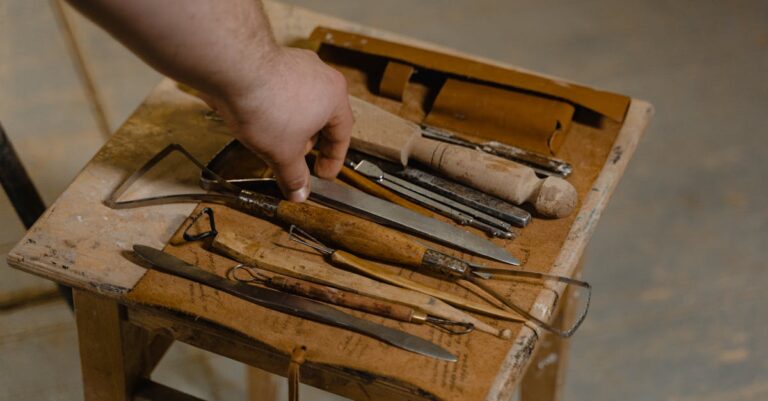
<point>76,241</point>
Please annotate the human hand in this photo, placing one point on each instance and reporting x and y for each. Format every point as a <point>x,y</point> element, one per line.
<point>289,101</point>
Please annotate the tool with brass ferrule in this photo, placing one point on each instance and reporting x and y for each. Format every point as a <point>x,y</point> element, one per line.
<point>457,211</point>
<point>456,269</point>
<point>373,270</point>
<point>346,299</point>
<point>291,304</point>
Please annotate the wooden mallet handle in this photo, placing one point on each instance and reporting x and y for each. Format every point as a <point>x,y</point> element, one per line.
<point>513,182</point>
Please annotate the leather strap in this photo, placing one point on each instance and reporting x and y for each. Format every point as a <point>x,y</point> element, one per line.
<point>298,356</point>
<point>395,79</point>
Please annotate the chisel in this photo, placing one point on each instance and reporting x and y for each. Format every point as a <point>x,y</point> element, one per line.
<point>383,134</point>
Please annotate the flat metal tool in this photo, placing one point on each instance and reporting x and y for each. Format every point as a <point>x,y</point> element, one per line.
<point>291,304</point>
<point>467,196</point>
<point>542,164</point>
<point>436,202</point>
<point>361,204</point>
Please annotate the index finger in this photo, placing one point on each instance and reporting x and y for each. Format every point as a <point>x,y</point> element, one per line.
<point>334,141</point>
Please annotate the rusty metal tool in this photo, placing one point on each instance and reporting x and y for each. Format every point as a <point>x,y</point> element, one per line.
<point>291,304</point>
<point>542,164</point>
<point>457,211</point>
<point>468,196</point>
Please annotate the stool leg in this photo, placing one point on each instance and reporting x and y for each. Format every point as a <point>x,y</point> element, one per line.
<point>544,378</point>
<point>261,385</point>
<point>114,354</point>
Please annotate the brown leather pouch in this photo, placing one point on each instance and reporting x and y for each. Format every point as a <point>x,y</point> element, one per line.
<point>474,99</point>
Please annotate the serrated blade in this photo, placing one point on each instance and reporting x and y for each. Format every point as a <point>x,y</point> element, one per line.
<point>369,207</point>
<point>291,304</point>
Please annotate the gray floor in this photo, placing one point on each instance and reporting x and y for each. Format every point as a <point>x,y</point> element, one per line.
<point>678,261</point>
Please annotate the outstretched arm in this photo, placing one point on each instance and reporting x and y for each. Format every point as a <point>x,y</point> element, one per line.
<point>278,101</point>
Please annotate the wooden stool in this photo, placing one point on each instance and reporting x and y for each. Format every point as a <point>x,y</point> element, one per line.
<point>82,243</point>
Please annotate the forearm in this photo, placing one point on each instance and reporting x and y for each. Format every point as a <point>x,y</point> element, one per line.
<point>279,102</point>
<point>206,44</point>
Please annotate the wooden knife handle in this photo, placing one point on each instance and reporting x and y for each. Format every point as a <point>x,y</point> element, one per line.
<point>516,183</point>
<point>364,184</point>
<point>353,234</point>
<point>347,299</point>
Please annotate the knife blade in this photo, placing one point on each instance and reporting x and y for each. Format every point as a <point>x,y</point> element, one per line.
<point>369,207</point>
<point>291,304</point>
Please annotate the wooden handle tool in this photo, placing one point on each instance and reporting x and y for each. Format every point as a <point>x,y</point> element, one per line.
<point>289,263</point>
<point>373,270</point>
<point>364,184</point>
<point>354,234</point>
<point>383,134</point>
<point>324,293</point>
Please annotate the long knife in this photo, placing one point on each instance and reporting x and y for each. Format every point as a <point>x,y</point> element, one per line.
<point>369,207</point>
<point>291,304</point>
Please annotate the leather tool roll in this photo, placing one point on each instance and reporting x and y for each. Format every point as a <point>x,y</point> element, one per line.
<point>471,98</point>
<point>536,123</point>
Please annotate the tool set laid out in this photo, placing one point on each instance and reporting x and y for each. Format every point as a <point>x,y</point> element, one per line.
<point>290,304</point>
<point>366,228</point>
<point>380,133</point>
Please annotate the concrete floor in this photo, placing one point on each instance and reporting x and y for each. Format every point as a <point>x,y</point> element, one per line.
<point>678,259</point>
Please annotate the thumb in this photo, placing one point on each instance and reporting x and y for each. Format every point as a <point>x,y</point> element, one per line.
<point>293,178</point>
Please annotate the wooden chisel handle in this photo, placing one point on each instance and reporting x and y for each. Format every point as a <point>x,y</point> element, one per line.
<point>516,183</point>
<point>347,299</point>
<point>352,233</point>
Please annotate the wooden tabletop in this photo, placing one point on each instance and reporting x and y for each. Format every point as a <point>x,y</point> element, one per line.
<point>82,243</point>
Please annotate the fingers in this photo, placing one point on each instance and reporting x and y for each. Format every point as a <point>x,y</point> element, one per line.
<point>293,178</point>
<point>334,141</point>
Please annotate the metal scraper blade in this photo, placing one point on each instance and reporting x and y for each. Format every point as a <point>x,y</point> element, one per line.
<point>366,206</point>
